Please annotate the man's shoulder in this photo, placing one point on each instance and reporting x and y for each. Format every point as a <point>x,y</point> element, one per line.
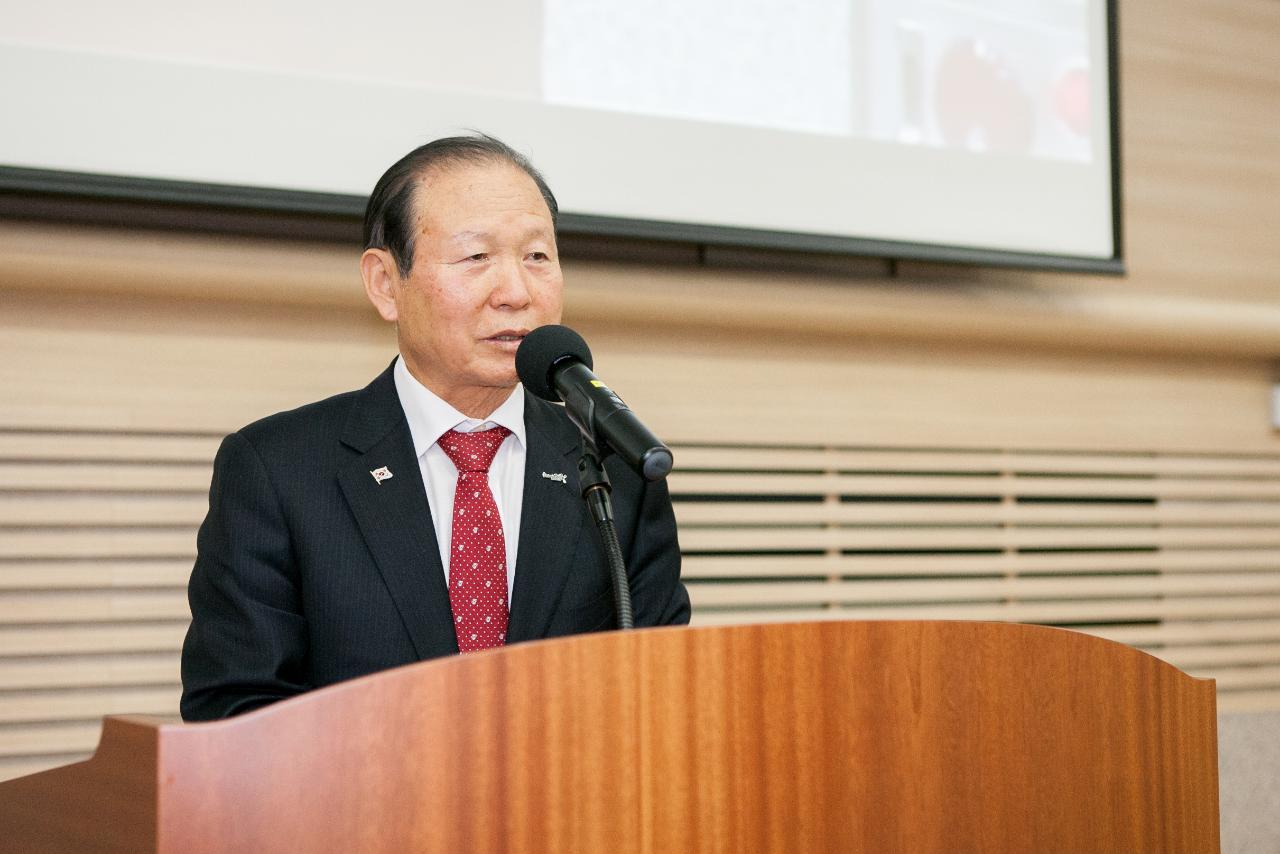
<point>322,423</point>
<point>323,417</point>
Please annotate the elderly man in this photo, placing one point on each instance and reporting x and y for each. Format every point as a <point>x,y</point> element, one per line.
<point>436,510</point>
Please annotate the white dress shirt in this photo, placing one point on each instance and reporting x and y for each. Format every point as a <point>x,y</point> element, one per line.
<point>429,419</point>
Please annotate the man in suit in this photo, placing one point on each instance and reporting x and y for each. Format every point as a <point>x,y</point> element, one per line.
<point>338,542</point>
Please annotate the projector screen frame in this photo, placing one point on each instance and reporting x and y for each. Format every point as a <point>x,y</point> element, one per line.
<point>45,194</point>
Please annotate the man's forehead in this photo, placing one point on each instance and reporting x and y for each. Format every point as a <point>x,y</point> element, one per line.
<point>464,175</point>
<point>447,196</point>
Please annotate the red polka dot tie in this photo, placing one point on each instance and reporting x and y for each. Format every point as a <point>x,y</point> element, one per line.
<point>477,549</point>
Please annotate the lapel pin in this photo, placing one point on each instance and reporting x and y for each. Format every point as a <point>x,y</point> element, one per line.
<point>558,477</point>
<point>381,474</point>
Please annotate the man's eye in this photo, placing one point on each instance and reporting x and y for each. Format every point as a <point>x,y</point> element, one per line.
<point>479,256</point>
<point>539,256</point>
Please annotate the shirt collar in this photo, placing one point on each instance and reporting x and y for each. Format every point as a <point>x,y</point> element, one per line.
<point>430,417</point>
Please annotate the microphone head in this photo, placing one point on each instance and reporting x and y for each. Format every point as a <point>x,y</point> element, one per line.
<point>541,351</point>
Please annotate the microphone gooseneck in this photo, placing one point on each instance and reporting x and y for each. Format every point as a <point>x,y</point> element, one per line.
<point>554,363</point>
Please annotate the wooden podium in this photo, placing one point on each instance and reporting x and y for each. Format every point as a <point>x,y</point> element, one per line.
<point>836,736</point>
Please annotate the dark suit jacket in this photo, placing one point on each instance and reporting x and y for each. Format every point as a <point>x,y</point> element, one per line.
<point>310,572</point>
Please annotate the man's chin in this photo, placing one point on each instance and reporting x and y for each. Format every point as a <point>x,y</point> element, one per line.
<point>499,370</point>
<point>500,379</point>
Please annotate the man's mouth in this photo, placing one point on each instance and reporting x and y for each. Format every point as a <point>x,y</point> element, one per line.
<point>507,337</point>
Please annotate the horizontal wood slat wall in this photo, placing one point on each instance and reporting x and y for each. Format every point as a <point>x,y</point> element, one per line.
<point>96,544</point>
<point>1175,554</point>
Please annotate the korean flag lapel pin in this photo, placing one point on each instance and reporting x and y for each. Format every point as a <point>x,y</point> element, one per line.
<point>380,474</point>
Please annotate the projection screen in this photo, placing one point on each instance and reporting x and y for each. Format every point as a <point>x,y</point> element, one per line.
<point>954,129</point>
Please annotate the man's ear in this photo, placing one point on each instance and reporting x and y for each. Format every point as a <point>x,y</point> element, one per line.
<point>381,281</point>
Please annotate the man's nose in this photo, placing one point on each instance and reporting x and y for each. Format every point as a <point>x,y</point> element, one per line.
<point>513,287</point>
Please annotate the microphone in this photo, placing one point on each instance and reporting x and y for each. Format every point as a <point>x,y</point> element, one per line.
<point>554,363</point>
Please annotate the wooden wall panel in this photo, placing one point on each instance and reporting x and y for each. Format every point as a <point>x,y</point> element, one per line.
<point>155,364</point>
<point>774,388</point>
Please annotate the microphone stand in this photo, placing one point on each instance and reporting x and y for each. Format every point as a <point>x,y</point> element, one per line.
<point>595,491</point>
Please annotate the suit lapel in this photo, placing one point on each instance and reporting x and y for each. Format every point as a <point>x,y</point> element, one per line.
<point>550,520</point>
<point>394,517</point>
